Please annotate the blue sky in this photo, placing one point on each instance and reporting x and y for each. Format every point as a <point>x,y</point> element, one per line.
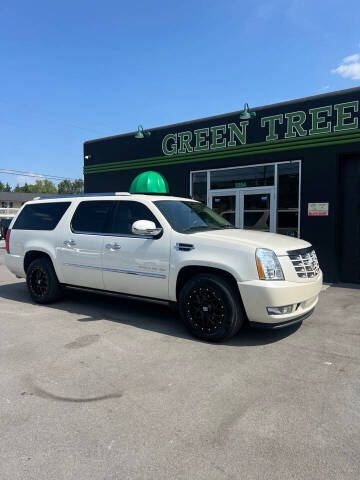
<point>76,70</point>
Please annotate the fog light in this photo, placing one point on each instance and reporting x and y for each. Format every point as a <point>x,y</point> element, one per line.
<point>280,310</point>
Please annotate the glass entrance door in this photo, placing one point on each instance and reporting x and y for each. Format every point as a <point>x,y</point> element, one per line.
<point>250,208</point>
<point>257,210</point>
<point>226,205</point>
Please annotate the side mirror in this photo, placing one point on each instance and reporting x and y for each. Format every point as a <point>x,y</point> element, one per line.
<point>145,227</point>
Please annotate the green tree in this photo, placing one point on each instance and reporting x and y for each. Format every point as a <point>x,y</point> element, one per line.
<point>78,185</point>
<point>65,186</point>
<point>69,187</point>
<point>40,186</point>
<point>2,186</point>
<point>7,187</point>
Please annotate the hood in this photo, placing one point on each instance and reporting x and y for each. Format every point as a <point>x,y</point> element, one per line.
<point>280,244</point>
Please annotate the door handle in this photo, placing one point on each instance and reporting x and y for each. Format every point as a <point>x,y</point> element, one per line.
<point>69,243</point>
<point>113,246</point>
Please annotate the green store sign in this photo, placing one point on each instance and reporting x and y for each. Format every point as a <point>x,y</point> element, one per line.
<point>324,120</point>
<point>293,131</point>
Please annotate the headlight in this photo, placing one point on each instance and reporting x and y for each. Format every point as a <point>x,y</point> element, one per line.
<point>268,265</point>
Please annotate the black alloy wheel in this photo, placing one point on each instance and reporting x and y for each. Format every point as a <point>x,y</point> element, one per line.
<point>42,281</point>
<point>211,308</point>
<point>39,281</point>
<point>206,309</point>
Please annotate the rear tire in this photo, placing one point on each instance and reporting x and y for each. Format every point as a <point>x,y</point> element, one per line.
<point>211,308</point>
<point>42,281</point>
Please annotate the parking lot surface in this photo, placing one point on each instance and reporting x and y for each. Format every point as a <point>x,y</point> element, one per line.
<point>96,387</point>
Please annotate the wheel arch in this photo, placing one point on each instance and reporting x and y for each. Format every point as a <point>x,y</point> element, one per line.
<point>188,271</point>
<point>32,255</point>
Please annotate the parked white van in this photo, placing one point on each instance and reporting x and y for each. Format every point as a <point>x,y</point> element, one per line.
<point>167,249</point>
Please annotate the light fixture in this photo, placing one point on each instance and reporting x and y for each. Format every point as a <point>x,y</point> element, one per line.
<point>150,182</point>
<point>141,133</point>
<point>246,114</point>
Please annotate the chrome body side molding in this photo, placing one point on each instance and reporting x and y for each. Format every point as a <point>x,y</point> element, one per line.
<point>118,270</point>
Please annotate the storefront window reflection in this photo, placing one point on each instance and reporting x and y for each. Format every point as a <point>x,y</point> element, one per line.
<point>199,186</point>
<point>258,197</point>
<point>243,177</point>
<point>288,198</point>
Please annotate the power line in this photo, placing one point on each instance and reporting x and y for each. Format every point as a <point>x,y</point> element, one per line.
<point>33,175</point>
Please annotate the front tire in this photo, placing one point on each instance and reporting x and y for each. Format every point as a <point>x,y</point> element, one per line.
<point>211,308</point>
<point>42,281</point>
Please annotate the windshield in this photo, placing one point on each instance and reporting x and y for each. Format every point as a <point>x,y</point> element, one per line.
<point>187,216</point>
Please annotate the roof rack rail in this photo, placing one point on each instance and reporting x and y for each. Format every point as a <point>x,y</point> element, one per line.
<point>76,195</point>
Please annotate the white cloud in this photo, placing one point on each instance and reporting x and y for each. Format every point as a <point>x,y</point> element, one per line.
<point>352,58</point>
<point>349,68</point>
<point>325,88</point>
<point>28,178</point>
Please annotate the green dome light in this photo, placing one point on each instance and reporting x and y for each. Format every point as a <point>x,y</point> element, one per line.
<point>149,182</point>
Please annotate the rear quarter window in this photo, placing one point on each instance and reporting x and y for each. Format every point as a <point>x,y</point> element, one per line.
<point>41,216</point>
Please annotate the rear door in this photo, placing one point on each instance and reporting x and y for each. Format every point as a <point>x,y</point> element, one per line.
<point>135,264</point>
<point>81,243</point>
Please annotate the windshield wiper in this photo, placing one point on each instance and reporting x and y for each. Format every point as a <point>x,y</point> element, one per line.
<point>205,227</point>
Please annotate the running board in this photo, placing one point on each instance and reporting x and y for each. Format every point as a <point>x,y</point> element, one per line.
<point>119,294</point>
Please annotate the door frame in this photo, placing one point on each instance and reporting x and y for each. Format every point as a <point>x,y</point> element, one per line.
<point>239,194</point>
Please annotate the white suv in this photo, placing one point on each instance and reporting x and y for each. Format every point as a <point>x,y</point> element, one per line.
<point>164,248</point>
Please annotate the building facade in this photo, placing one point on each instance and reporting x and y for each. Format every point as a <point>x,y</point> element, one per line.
<point>294,169</point>
<point>10,202</point>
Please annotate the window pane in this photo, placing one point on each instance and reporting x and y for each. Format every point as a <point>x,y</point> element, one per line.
<point>243,177</point>
<point>257,211</point>
<point>41,216</point>
<point>288,223</point>
<point>126,213</point>
<point>224,205</point>
<point>288,185</point>
<point>288,198</point>
<point>91,217</point>
<point>199,186</point>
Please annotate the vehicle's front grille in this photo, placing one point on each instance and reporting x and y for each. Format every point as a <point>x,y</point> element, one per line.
<point>305,262</point>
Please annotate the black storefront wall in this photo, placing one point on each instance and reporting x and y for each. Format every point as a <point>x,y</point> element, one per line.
<point>321,177</point>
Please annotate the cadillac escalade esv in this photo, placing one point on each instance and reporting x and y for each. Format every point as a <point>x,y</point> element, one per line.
<point>164,248</point>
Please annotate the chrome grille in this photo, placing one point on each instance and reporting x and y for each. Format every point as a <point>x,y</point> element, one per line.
<point>305,262</point>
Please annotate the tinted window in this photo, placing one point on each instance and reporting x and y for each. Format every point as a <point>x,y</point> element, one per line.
<point>41,216</point>
<point>91,217</point>
<point>199,186</point>
<point>258,176</point>
<point>187,217</point>
<point>288,198</point>
<point>126,213</point>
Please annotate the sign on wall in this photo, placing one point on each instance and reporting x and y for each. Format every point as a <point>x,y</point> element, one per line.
<point>325,120</point>
<point>318,209</point>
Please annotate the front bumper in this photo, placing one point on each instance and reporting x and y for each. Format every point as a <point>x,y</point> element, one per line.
<point>257,295</point>
<point>286,323</point>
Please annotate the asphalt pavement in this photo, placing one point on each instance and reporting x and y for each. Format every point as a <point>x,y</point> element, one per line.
<point>96,387</point>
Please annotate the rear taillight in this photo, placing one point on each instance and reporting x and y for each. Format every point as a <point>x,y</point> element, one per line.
<point>7,241</point>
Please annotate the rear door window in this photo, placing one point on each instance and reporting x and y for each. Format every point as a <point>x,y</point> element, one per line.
<point>41,216</point>
<point>92,216</point>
